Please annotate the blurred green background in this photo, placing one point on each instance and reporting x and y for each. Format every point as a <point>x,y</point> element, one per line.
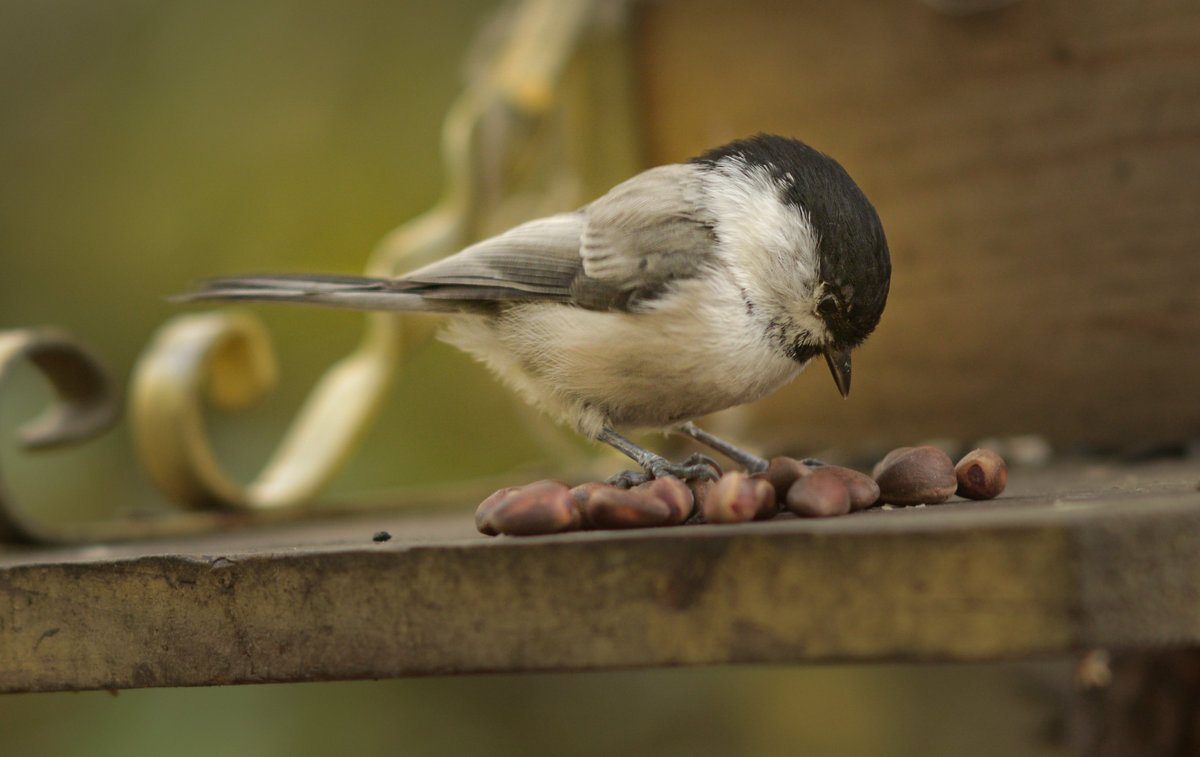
<point>860,711</point>
<point>145,144</point>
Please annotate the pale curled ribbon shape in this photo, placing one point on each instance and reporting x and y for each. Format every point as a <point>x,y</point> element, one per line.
<point>84,406</point>
<point>225,356</point>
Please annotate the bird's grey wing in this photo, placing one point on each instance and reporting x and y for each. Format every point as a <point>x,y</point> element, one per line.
<point>642,235</point>
<point>617,253</point>
<point>537,260</point>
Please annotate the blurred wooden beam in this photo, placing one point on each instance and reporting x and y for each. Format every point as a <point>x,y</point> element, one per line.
<point>1035,170</point>
<point>1072,559</point>
<point>1137,704</point>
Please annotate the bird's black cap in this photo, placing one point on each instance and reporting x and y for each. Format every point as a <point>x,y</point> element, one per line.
<point>855,264</point>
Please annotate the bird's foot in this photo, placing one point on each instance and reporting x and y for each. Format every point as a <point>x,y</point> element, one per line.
<point>696,467</point>
<point>758,465</point>
<point>628,479</point>
<point>752,463</point>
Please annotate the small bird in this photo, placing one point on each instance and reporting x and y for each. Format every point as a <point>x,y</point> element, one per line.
<point>685,290</point>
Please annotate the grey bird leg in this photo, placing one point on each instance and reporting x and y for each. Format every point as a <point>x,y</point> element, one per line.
<point>752,463</point>
<point>656,466</point>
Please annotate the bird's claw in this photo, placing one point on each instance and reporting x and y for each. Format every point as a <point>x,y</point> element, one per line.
<point>628,479</point>
<point>759,466</point>
<point>696,467</point>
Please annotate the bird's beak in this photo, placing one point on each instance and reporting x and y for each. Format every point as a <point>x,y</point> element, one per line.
<point>839,366</point>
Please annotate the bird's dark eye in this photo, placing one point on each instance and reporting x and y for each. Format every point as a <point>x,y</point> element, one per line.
<point>827,307</point>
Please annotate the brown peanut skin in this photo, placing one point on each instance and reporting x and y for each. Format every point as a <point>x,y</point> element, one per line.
<point>863,490</point>
<point>916,476</point>
<point>782,472</point>
<point>735,498</point>
<point>675,494</point>
<point>543,507</point>
<point>768,498</point>
<point>612,507</point>
<point>981,474</point>
<point>483,513</point>
<point>700,488</point>
<point>583,493</point>
<point>887,460</point>
<point>820,494</point>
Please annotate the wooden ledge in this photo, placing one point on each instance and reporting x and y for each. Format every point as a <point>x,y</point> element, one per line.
<point>1073,557</point>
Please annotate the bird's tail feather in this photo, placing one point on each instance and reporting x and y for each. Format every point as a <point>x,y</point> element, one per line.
<point>354,292</point>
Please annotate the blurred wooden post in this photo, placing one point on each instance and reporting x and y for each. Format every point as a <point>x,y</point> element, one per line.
<point>1035,168</point>
<point>1138,704</point>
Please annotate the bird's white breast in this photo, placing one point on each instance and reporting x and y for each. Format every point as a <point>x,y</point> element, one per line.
<point>698,350</point>
<point>704,346</point>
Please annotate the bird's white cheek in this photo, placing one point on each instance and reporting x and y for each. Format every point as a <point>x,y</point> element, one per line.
<point>770,247</point>
<point>809,322</point>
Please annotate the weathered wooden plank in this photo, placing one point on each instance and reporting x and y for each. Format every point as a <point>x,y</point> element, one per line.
<point>1072,562</point>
